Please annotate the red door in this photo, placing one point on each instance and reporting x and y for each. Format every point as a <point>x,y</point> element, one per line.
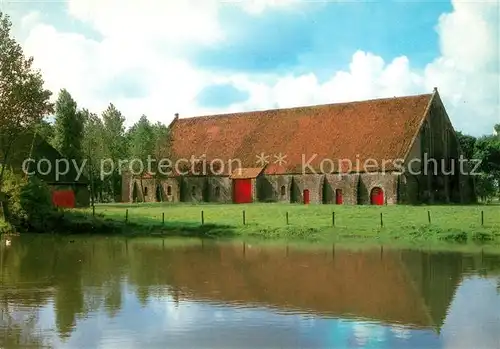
<point>338,197</point>
<point>242,191</point>
<point>64,198</point>
<point>306,196</point>
<point>377,196</point>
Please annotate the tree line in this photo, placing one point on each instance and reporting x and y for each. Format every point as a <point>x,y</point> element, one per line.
<point>486,149</point>
<point>85,136</point>
<point>76,133</point>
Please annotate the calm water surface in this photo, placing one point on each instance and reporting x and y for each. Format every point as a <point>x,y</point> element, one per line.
<point>154,293</point>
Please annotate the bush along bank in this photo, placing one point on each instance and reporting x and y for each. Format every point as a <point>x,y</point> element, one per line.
<point>30,209</point>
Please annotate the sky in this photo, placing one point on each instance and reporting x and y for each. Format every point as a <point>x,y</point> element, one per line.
<point>162,324</point>
<point>198,57</point>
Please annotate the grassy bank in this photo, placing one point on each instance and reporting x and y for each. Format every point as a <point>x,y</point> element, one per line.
<point>436,224</point>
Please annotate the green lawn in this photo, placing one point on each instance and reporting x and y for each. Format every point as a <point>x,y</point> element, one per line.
<point>316,221</point>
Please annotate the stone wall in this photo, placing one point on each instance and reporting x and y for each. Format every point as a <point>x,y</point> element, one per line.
<point>347,184</point>
<point>276,188</point>
<point>355,189</point>
<point>142,191</point>
<point>169,189</point>
<point>388,182</point>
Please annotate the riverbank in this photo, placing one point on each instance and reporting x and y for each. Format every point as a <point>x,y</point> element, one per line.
<point>318,222</point>
<point>314,223</point>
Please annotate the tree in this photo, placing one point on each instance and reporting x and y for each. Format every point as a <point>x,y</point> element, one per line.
<point>93,148</point>
<point>114,134</point>
<point>162,141</point>
<point>142,145</point>
<point>68,128</point>
<point>497,129</point>
<point>46,130</point>
<point>23,100</point>
<point>487,150</point>
<point>467,143</point>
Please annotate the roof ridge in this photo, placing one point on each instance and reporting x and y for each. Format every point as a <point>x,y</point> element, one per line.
<point>245,113</point>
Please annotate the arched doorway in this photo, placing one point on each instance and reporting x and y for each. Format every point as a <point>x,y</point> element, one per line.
<point>377,196</point>
<point>135,192</point>
<point>306,196</point>
<point>159,193</point>
<point>339,199</point>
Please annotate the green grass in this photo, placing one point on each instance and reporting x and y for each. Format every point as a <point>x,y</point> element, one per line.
<point>451,223</point>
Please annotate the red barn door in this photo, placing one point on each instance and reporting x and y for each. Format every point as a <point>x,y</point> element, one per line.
<point>377,196</point>
<point>64,198</point>
<point>306,196</point>
<point>338,197</point>
<point>242,191</point>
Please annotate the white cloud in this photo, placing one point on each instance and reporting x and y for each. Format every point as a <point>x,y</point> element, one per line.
<point>368,77</point>
<point>466,74</point>
<point>258,6</point>
<point>365,332</point>
<point>175,22</point>
<point>136,35</point>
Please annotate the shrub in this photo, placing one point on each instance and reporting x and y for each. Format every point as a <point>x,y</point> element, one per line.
<point>29,200</point>
<point>11,186</point>
<point>35,200</point>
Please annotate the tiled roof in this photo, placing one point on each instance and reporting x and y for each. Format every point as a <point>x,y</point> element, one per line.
<point>379,129</point>
<point>243,173</point>
<point>348,284</point>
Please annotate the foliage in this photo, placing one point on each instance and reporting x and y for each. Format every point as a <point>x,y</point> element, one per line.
<point>142,144</point>
<point>486,149</point>
<point>93,150</point>
<point>23,100</point>
<point>115,146</point>
<point>467,143</point>
<point>162,141</point>
<point>148,141</point>
<point>35,201</point>
<point>28,200</point>
<point>45,130</point>
<point>68,128</point>
<point>12,188</point>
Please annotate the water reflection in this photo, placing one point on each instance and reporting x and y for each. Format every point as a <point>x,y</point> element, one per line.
<point>94,292</point>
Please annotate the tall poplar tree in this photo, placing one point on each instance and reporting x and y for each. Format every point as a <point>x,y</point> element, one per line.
<point>68,128</point>
<point>23,100</point>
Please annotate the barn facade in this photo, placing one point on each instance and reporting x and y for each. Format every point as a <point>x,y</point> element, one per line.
<point>400,150</point>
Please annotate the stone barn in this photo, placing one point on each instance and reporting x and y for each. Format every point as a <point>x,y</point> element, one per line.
<point>400,150</point>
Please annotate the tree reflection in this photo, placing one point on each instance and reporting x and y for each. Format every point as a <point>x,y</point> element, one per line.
<point>89,276</point>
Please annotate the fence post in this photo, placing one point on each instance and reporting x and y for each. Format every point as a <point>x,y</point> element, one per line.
<point>381,219</point>
<point>93,211</point>
<point>429,216</point>
<point>244,221</point>
<point>163,218</point>
<point>202,218</point>
<point>482,217</point>
<point>126,215</point>
<point>287,218</point>
<point>333,218</point>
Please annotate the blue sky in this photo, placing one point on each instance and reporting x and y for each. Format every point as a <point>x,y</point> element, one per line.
<point>193,57</point>
<point>161,323</point>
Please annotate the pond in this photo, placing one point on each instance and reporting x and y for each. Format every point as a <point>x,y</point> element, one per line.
<point>99,292</point>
